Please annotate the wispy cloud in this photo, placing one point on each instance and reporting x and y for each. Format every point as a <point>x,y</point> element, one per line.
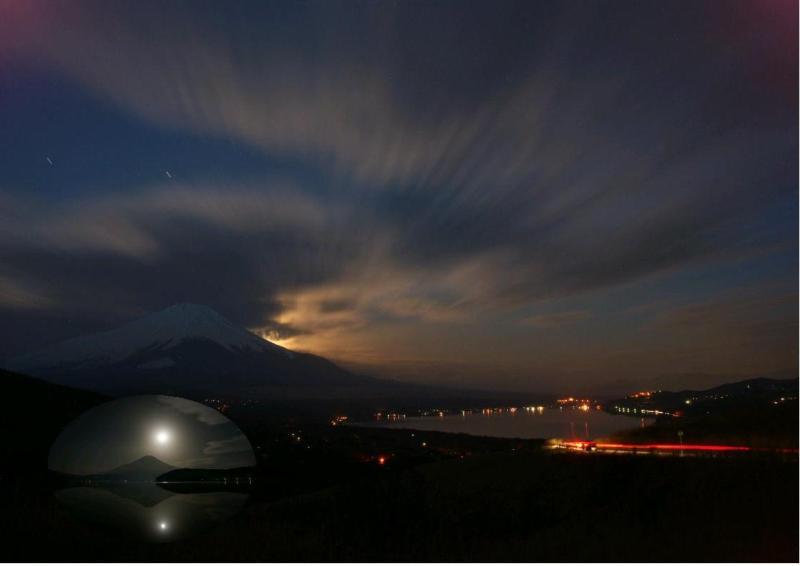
<point>131,224</point>
<point>17,294</point>
<point>203,414</point>
<point>552,320</point>
<point>238,443</point>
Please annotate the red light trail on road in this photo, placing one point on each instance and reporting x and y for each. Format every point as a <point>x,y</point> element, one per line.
<point>693,447</point>
<point>591,446</point>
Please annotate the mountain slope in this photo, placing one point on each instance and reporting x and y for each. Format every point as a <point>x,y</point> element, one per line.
<point>145,468</point>
<point>184,349</point>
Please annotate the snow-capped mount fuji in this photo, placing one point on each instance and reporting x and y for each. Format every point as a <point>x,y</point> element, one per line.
<point>156,331</point>
<point>185,348</point>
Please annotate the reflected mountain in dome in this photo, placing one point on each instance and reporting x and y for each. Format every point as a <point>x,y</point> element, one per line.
<point>153,467</point>
<point>149,512</point>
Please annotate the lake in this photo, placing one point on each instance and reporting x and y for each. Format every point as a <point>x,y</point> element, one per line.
<point>149,512</point>
<point>546,423</point>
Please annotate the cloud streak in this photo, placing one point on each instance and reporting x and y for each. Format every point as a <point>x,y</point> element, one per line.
<point>202,413</point>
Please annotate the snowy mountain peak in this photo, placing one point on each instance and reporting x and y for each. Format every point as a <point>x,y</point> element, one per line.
<point>188,320</point>
<point>165,328</point>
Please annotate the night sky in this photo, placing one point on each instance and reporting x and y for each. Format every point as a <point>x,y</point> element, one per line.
<point>530,196</point>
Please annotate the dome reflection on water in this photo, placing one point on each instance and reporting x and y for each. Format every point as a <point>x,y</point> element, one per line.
<point>153,467</point>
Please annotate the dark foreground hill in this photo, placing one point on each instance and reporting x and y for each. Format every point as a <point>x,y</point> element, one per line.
<point>34,413</point>
<point>531,506</point>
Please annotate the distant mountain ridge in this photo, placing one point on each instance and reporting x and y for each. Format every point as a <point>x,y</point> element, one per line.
<point>749,392</point>
<point>186,348</point>
<point>757,385</point>
<point>685,382</point>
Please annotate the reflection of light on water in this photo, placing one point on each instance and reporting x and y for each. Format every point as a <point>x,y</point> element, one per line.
<point>136,514</point>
